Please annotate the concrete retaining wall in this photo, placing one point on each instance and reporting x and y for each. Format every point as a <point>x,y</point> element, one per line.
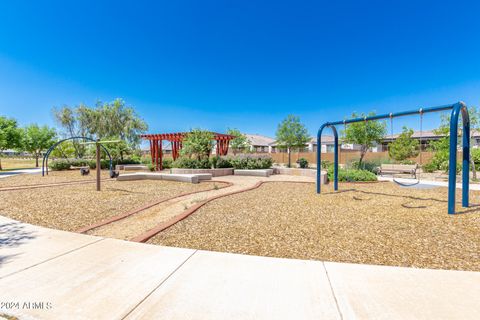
<point>214,172</point>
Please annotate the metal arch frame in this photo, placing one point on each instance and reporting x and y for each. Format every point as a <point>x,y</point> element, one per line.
<point>456,108</point>
<point>47,154</point>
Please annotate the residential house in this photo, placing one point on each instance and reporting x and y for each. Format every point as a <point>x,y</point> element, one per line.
<point>259,143</point>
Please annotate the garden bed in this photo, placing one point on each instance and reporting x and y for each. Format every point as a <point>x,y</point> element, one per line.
<point>376,223</point>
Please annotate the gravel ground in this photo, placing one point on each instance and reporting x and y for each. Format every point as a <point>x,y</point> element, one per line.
<point>75,206</point>
<point>53,177</point>
<point>379,223</point>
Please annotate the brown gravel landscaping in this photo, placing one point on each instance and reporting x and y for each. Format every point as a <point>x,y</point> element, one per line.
<point>376,223</point>
<point>75,206</point>
<point>52,177</point>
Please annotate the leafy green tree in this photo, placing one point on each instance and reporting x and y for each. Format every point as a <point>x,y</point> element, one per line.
<point>197,143</point>
<point>364,133</point>
<point>442,146</point>
<point>291,133</point>
<point>404,146</point>
<point>10,135</point>
<point>37,139</point>
<point>113,120</point>
<point>66,150</point>
<point>66,117</point>
<point>240,142</point>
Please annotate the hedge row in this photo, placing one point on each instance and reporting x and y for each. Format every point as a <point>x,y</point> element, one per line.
<point>239,162</point>
<point>63,164</point>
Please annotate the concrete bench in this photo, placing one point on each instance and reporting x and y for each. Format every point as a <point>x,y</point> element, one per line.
<point>191,178</point>
<point>253,172</point>
<point>398,168</point>
<point>130,167</point>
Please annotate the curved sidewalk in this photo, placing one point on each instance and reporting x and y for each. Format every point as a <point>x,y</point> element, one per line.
<point>52,274</point>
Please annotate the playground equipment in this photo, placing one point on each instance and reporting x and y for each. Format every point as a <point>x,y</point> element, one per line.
<point>98,144</point>
<point>456,108</point>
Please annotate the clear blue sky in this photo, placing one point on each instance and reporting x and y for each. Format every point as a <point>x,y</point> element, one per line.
<point>244,64</point>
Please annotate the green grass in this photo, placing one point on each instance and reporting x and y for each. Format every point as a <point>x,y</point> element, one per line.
<point>9,164</point>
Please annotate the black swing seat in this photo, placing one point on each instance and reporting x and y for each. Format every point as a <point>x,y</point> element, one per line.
<point>84,171</point>
<point>396,169</point>
<point>114,174</point>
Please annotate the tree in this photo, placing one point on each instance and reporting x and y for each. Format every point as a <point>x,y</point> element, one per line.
<point>442,146</point>
<point>240,142</point>
<point>36,139</point>
<point>197,143</point>
<point>113,120</point>
<point>10,135</point>
<point>404,146</point>
<point>291,133</point>
<point>364,133</point>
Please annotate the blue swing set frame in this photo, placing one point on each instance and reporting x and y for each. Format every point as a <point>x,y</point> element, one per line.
<point>457,109</point>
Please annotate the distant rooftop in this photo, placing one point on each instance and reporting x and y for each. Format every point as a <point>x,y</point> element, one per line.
<point>259,140</point>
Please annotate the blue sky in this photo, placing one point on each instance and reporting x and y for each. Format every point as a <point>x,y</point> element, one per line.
<point>243,64</point>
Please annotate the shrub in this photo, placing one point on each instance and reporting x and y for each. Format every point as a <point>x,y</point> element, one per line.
<point>188,163</point>
<point>251,162</point>
<point>475,154</point>
<point>430,167</point>
<point>64,164</point>
<point>371,166</point>
<point>185,163</point>
<point>325,164</point>
<point>218,162</point>
<point>352,175</point>
<point>167,163</point>
<point>303,163</point>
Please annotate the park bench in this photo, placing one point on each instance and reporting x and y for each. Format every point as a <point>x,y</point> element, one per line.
<point>398,168</point>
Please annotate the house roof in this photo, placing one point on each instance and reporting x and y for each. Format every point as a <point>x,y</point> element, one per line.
<point>259,140</point>
<point>325,140</point>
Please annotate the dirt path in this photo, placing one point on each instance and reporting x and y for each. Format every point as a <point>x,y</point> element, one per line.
<point>141,222</point>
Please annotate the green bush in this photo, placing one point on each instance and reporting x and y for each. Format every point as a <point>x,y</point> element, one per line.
<point>371,166</point>
<point>188,163</point>
<point>167,163</point>
<point>303,163</point>
<point>325,164</point>
<point>64,164</point>
<point>352,175</point>
<point>218,162</point>
<point>251,162</point>
<point>475,154</point>
<point>430,167</point>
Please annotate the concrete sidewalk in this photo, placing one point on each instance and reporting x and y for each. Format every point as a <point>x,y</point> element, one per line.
<point>6,174</point>
<point>51,274</point>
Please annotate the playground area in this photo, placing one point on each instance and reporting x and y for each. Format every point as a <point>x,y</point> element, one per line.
<point>371,223</point>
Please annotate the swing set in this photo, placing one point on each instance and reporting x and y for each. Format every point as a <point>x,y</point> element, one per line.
<point>456,109</point>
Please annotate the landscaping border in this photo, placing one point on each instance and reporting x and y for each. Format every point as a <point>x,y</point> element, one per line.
<point>145,207</point>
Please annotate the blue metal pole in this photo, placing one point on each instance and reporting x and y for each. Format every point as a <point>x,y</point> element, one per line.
<point>465,155</point>
<point>319,152</point>
<point>395,115</point>
<point>452,161</point>
<point>335,159</point>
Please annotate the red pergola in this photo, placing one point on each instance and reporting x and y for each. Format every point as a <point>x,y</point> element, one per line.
<point>176,141</point>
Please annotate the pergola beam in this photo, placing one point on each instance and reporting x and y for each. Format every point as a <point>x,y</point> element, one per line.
<point>176,139</point>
